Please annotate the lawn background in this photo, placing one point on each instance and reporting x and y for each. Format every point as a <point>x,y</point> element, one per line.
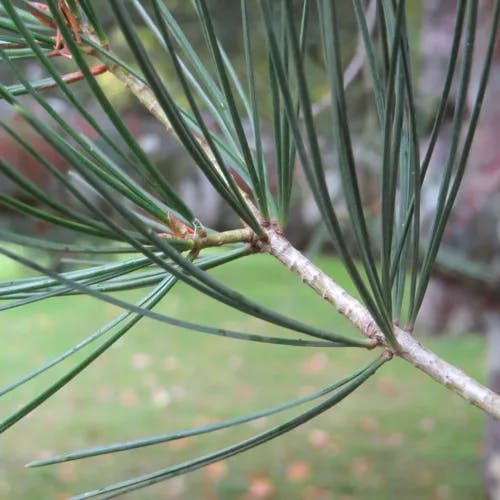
<point>400,436</point>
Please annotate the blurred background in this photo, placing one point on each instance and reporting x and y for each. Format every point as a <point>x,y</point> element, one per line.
<point>400,436</point>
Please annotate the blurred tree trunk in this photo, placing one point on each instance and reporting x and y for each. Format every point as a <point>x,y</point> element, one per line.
<point>489,141</point>
<point>474,229</point>
<point>492,438</point>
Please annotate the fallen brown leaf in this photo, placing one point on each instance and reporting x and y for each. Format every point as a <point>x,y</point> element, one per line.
<point>359,466</point>
<point>129,398</point>
<point>318,438</point>
<point>316,493</point>
<point>260,487</point>
<point>180,444</point>
<point>369,424</point>
<point>141,361</point>
<point>315,364</point>
<point>298,471</point>
<point>387,387</point>
<point>66,472</point>
<point>215,472</point>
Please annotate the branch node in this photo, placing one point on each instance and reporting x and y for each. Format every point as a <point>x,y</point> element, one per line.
<point>387,355</point>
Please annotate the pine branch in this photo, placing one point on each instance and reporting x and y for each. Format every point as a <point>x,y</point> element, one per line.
<point>275,244</point>
<point>410,349</point>
<point>147,98</point>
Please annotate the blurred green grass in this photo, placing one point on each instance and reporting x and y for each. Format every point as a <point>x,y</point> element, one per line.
<point>399,436</point>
